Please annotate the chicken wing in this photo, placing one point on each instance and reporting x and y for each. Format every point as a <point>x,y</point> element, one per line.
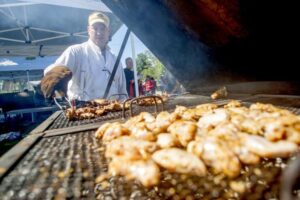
<point>216,153</point>
<point>184,131</point>
<point>178,160</point>
<point>145,171</point>
<point>267,149</point>
<point>166,140</point>
<point>130,148</point>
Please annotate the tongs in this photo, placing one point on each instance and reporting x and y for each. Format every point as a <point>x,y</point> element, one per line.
<point>63,108</point>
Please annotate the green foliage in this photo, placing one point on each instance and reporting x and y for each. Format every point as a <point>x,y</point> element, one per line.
<point>148,65</point>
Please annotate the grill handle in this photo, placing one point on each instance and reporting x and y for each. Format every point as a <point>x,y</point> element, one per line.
<point>136,101</point>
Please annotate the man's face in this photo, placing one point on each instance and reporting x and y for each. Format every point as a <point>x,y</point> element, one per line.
<point>99,34</point>
<point>129,63</point>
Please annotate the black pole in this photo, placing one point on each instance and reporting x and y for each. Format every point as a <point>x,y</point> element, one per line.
<point>112,76</point>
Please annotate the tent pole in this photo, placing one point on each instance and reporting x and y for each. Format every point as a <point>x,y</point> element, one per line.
<point>136,84</point>
<point>16,4</point>
<point>28,84</point>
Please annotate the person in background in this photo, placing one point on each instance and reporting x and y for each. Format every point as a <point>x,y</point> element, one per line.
<point>149,86</point>
<point>129,75</point>
<point>83,70</point>
<point>141,87</point>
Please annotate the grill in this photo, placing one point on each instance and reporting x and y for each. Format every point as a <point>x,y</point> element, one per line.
<point>186,100</point>
<point>64,163</point>
<point>62,122</point>
<point>67,166</point>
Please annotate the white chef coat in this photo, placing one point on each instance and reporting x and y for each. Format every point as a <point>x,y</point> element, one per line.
<point>91,71</point>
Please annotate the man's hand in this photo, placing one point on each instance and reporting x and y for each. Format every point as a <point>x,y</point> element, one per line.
<point>56,79</point>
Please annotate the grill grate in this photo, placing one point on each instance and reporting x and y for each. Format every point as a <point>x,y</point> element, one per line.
<point>187,100</point>
<point>58,167</point>
<point>66,167</point>
<point>62,122</point>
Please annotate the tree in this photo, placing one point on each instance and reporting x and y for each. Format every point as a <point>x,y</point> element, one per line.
<point>148,65</point>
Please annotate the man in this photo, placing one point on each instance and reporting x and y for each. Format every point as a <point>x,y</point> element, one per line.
<point>129,75</point>
<point>86,67</point>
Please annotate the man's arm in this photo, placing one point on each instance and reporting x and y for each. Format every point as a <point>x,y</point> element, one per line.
<point>57,75</point>
<point>56,79</point>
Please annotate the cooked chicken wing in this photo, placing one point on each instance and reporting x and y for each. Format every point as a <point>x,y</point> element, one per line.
<point>142,117</point>
<point>130,148</point>
<point>178,160</point>
<point>180,110</point>
<point>212,119</point>
<point>71,113</point>
<point>228,133</point>
<point>140,131</point>
<point>167,140</point>
<point>114,131</point>
<point>239,110</point>
<point>145,171</point>
<point>284,128</point>
<point>207,106</point>
<point>113,106</point>
<point>86,116</point>
<point>184,131</point>
<point>267,149</point>
<point>162,122</point>
<point>195,113</point>
<point>101,130</point>
<point>264,107</point>
<point>190,114</point>
<point>100,111</point>
<point>246,156</point>
<point>246,124</point>
<point>110,131</point>
<point>215,153</point>
<point>233,104</point>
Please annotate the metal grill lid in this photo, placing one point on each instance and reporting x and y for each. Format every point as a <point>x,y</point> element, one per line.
<point>216,42</point>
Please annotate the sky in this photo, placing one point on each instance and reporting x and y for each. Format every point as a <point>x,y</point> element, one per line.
<point>117,40</point>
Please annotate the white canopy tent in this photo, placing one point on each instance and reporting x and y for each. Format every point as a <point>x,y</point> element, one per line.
<point>33,28</point>
<point>38,28</point>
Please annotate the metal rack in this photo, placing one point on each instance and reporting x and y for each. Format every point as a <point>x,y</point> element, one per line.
<point>65,162</point>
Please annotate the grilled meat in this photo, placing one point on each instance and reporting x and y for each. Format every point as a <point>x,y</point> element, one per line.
<point>225,139</point>
<point>178,160</point>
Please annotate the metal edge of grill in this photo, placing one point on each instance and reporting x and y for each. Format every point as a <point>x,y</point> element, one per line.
<point>15,156</point>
